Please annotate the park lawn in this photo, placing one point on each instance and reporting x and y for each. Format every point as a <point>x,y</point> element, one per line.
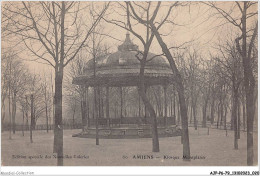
<point>215,149</point>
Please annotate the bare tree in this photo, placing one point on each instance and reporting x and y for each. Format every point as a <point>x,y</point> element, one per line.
<point>4,87</point>
<point>155,26</point>
<point>47,100</point>
<point>13,80</point>
<point>142,56</point>
<point>97,50</point>
<point>243,16</point>
<point>18,80</point>
<point>54,34</point>
<point>72,100</point>
<point>21,97</point>
<point>193,82</point>
<point>76,68</point>
<point>231,67</point>
<point>205,88</point>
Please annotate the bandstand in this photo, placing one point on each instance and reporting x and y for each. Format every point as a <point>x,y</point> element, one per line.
<point>121,69</point>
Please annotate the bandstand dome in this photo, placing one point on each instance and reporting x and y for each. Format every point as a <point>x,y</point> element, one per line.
<point>122,69</point>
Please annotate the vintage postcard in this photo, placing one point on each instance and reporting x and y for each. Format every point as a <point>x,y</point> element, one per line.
<point>114,83</point>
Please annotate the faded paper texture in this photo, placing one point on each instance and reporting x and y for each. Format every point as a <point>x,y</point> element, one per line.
<point>129,83</point>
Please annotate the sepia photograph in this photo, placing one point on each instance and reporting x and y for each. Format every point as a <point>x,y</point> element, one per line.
<point>129,83</point>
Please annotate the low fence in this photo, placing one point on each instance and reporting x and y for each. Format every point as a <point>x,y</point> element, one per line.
<point>123,121</point>
<point>42,127</point>
<point>221,126</point>
<point>131,120</point>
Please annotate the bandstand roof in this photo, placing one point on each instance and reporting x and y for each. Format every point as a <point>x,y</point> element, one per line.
<point>122,69</point>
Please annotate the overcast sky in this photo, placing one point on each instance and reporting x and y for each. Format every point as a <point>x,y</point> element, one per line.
<point>195,22</point>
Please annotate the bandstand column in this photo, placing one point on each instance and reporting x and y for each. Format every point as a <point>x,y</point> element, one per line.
<point>145,109</point>
<point>83,106</point>
<point>165,104</point>
<point>171,106</point>
<point>121,102</point>
<point>87,104</point>
<point>99,102</point>
<point>107,104</point>
<point>174,112</point>
<point>139,107</point>
<point>95,114</point>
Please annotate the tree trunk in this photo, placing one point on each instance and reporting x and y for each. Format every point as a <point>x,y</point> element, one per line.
<point>73,117</point>
<point>58,128</point>
<point>249,83</point>
<point>149,107</point>
<point>47,120</point>
<point>23,122</point>
<point>250,122</point>
<point>204,115</point>
<point>2,113</point>
<point>180,89</point>
<point>232,116</point>
<point>221,113</point>
<point>53,110</point>
<point>9,108</point>
<point>26,114</point>
<point>178,110</point>
<point>191,114</point>
<point>225,118</point>
<point>152,115</point>
<point>32,119</point>
<point>185,133</point>
<point>13,112</point>
<point>195,119</point>
<point>174,111</point>
<point>238,119</point>
<point>244,116</point>
<point>58,125</point>
<point>218,116</point>
<point>235,104</point>
<point>212,111</point>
